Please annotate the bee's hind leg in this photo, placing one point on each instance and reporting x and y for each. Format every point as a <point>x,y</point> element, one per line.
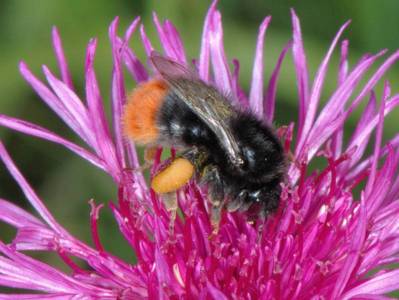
<point>149,155</point>
<point>170,202</point>
<point>211,175</point>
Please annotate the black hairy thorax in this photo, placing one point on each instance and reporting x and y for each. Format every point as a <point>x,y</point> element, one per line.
<point>257,179</point>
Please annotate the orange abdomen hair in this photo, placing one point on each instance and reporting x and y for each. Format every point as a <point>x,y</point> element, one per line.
<point>141,111</point>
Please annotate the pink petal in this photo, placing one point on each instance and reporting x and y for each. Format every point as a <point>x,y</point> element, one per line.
<point>16,216</point>
<point>317,88</point>
<point>203,64</point>
<point>329,120</point>
<point>381,284</point>
<point>365,119</point>
<point>146,42</point>
<point>343,62</point>
<point>353,255</point>
<point>118,93</point>
<point>52,101</point>
<point>40,132</point>
<point>270,99</point>
<point>133,64</point>
<point>71,104</point>
<point>62,62</point>
<point>56,296</point>
<point>256,93</point>
<point>375,79</point>
<point>221,71</point>
<point>29,192</point>
<point>175,40</point>
<point>28,273</point>
<point>301,70</point>
<point>170,40</point>
<point>105,147</point>
<point>377,146</point>
<point>242,98</point>
<point>215,293</point>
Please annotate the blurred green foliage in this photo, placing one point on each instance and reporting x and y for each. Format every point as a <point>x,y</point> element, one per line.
<point>64,181</point>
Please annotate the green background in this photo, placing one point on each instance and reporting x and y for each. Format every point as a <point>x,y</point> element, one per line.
<point>66,182</point>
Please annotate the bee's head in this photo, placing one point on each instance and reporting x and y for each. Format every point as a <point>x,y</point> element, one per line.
<point>256,200</point>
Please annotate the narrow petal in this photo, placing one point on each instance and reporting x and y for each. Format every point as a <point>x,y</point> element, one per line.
<point>375,79</point>
<point>56,296</point>
<point>343,62</point>
<point>118,93</point>
<point>204,57</point>
<point>301,70</point>
<point>215,293</point>
<point>330,117</point>
<point>353,254</point>
<point>170,40</point>
<point>381,183</point>
<point>71,104</point>
<point>361,167</point>
<point>317,88</point>
<point>338,136</point>
<point>36,238</point>
<point>132,28</point>
<point>362,137</point>
<point>242,98</point>
<point>40,132</point>
<point>365,119</point>
<point>378,138</point>
<point>106,148</point>
<point>133,64</point>
<point>221,70</point>
<point>28,191</point>
<point>52,101</point>
<point>256,93</point>
<point>381,284</point>
<point>270,99</point>
<point>146,41</point>
<point>16,216</point>
<point>175,40</point>
<point>32,274</point>
<point>62,62</point>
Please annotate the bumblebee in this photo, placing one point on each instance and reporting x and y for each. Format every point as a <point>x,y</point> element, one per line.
<point>237,155</point>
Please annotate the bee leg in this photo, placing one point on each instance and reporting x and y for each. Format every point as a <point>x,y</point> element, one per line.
<point>170,201</point>
<point>237,202</point>
<point>216,194</point>
<point>149,154</point>
<point>196,156</point>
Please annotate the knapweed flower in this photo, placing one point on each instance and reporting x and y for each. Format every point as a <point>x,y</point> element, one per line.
<point>324,242</point>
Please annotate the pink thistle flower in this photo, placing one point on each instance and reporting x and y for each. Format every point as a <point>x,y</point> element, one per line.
<point>322,243</point>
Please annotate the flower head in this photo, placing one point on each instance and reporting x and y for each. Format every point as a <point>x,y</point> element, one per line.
<point>322,243</point>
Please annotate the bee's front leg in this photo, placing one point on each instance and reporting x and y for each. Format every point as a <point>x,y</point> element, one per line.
<point>211,175</point>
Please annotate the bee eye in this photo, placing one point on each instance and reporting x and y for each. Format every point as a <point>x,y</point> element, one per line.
<point>249,156</point>
<point>248,153</point>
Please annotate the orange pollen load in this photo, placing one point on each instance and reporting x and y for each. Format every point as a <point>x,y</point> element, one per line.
<point>139,119</point>
<point>173,177</point>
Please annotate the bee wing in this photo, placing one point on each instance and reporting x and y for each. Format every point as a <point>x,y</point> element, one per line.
<point>205,101</point>
<point>169,68</point>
